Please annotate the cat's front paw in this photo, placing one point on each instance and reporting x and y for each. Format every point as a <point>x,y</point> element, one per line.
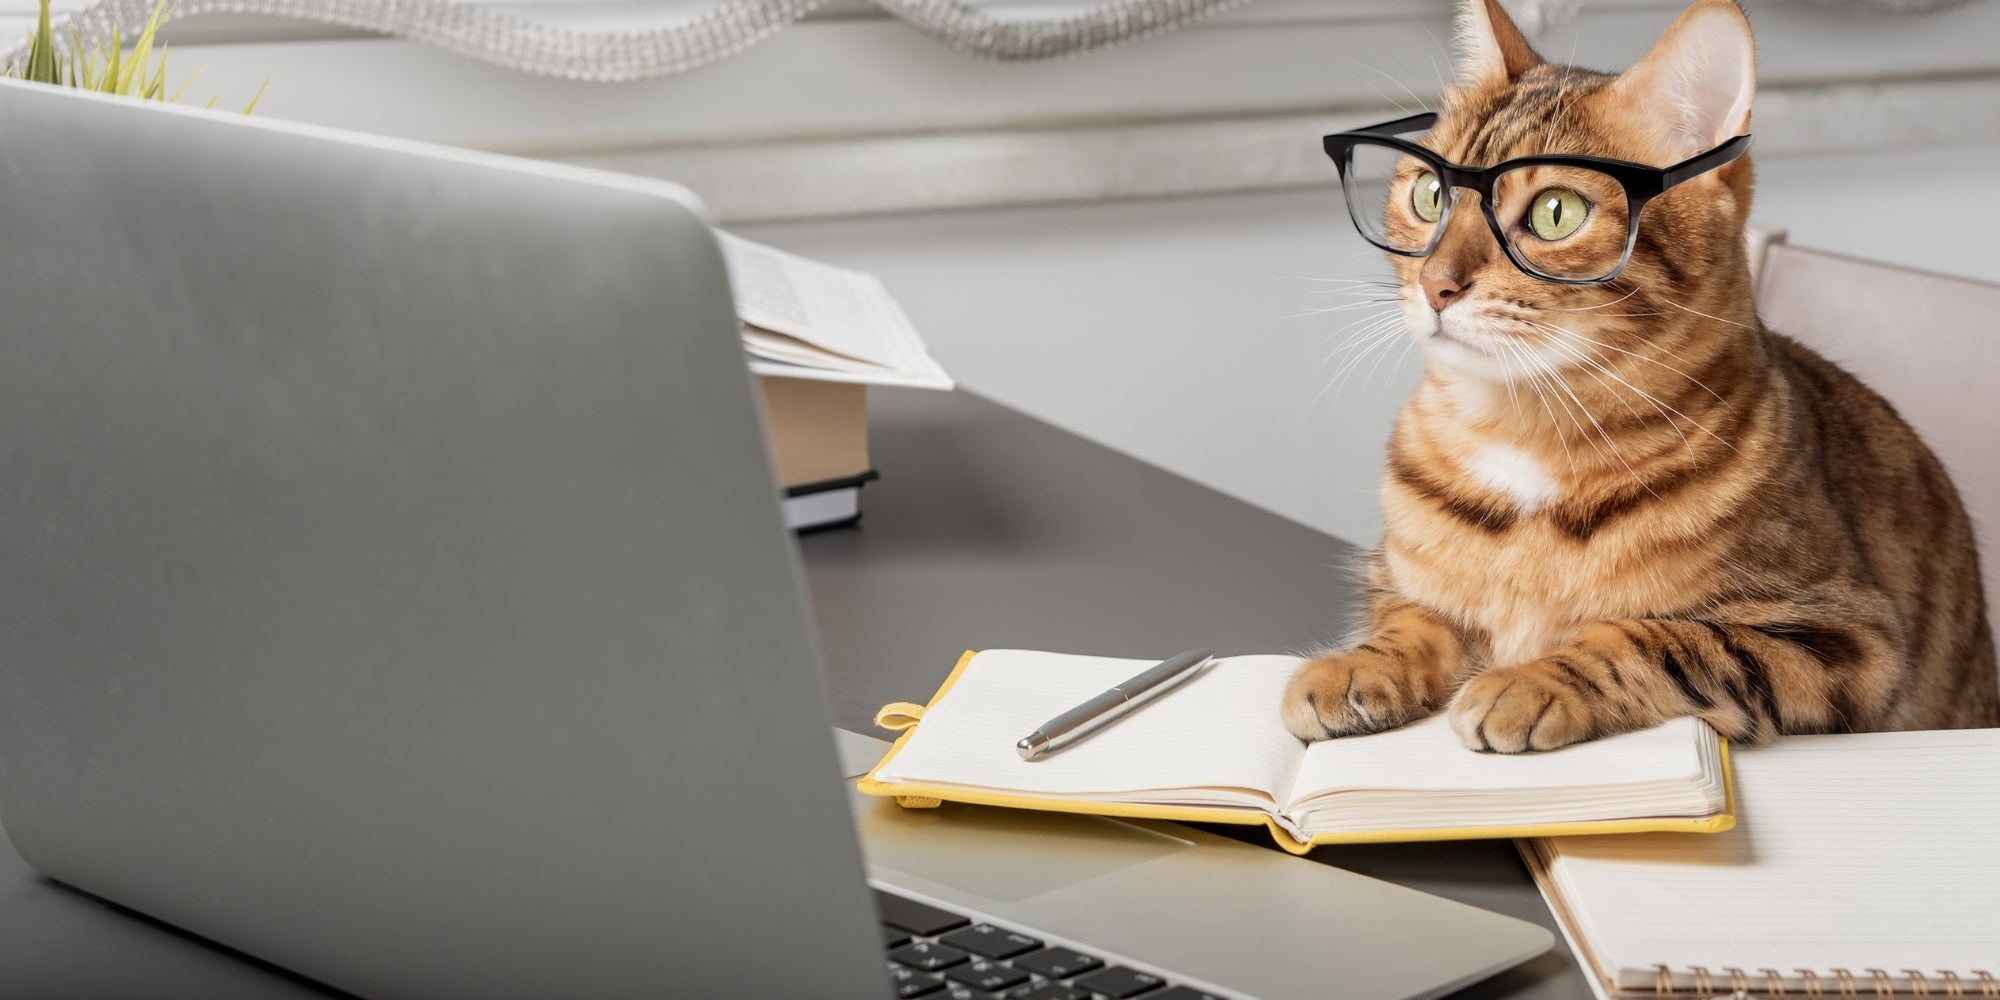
<point>1518,709</point>
<point>1357,692</point>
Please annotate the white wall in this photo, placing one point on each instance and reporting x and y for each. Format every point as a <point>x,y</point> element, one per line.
<point>1168,328</point>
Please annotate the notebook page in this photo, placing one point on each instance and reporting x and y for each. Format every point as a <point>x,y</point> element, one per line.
<point>1218,730</point>
<point>1427,755</point>
<point>1868,851</point>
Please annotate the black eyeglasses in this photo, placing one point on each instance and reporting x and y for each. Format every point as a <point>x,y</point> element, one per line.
<point>1579,215</point>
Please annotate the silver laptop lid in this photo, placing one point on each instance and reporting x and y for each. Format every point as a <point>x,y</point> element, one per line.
<point>391,580</point>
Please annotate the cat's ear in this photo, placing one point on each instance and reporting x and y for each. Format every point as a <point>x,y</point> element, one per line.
<point>1697,81</point>
<point>1492,51</point>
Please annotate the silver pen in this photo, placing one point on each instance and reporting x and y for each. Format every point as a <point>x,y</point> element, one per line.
<point>1108,707</point>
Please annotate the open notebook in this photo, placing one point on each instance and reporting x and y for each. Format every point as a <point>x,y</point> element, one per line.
<point>805,319</point>
<point>1215,750</point>
<point>1865,864</point>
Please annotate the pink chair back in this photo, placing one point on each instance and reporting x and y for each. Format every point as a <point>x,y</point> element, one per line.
<point>1930,343</point>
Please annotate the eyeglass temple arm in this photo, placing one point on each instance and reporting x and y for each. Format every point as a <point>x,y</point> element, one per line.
<point>1414,123</point>
<point>1701,163</point>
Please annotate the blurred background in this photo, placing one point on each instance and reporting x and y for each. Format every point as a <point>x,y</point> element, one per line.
<point>1132,242</point>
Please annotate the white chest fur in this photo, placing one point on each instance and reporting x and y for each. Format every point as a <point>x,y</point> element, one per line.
<point>1513,472</point>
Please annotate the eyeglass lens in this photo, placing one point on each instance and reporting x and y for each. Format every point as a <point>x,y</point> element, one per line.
<point>1564,222</point>
<point>1560,221</point>
<point>1394,197</point>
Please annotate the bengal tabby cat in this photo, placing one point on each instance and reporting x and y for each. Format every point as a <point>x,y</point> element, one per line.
<point>1610,505</point>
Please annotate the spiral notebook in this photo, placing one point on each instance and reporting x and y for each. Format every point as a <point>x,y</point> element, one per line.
<point>1861,865</point>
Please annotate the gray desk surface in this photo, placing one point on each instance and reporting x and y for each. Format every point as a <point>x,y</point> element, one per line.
<point>988,528</point>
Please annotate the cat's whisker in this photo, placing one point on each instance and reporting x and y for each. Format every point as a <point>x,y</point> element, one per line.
<point>1409,342</point>
<point>1554,382</point>
<point>1421,103</point>
<point>1703,315</point>
<point>1658,407</point>
<point>1343,307</point>
<point>1657,404</point>
<point>1343,281</point>
<point>1358,349</point>
<point>1655,361</point>
<point>1355,347</point>
<point>1507,379</point>
<point>1369,294</point>
<point>1339,382</point>
<point>1606,435</point>
<point>1443,87</point>
<point>1373,336</point>
<point>1562,91</point>
<point>1373,331</point>
<point>1381,327</point>
<point>1548,374</point>
<point>1575,353</point>
<point>1600,305</point>
<point>1534,385</point>
<point>1383,309</point>
<point>1694,312</point>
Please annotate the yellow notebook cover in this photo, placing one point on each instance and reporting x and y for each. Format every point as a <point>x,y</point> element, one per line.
<point>906,716</point>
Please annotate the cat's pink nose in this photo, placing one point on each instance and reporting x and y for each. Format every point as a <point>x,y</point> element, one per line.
<point>1440,289</point>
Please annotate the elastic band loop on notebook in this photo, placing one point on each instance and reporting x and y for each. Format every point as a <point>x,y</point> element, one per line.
<point>897,716</point>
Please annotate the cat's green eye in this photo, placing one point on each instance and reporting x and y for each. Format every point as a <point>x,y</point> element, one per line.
<point>1556,213</point>
<point>1427,196</point>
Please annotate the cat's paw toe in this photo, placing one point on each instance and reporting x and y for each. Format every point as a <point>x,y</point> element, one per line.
<point>1519,709</point>
<point>1348,694</point>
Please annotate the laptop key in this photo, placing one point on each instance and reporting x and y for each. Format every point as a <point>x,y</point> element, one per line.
<point>1118,982</point>
<point>907,983</point>
<point>1184,993</point>
<point>1046,991</point>
<point>928,957</point>
<point>984,975</point>
<point>892,937</point>
<point>988,941</point>
<point>921,919</point>
<point>1057,963</point>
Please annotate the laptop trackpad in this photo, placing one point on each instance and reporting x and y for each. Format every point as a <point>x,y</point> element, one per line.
<point>1005,855</point>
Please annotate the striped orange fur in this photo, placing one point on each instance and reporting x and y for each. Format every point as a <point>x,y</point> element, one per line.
<point>1610,505</point>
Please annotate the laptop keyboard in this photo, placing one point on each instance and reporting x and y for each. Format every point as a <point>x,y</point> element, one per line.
<point>941,955</point>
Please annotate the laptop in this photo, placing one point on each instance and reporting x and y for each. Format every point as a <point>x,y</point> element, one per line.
<point>393,588</point>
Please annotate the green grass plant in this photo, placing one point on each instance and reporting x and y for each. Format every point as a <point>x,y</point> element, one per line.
<point>108,67</point>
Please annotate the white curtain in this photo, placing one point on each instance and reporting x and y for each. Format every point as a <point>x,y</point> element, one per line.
<point>621,40</point>
<point>559,39</point>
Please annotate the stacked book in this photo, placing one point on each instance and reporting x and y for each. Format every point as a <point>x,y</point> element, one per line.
<point>817,337</point>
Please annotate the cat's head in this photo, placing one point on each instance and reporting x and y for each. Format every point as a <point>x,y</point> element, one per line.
<point>1474,311</point>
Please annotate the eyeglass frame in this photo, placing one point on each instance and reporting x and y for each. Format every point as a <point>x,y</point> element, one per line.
<point>1642,183</point>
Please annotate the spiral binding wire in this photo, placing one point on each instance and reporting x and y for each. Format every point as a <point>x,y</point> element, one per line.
<point>1976,984</point>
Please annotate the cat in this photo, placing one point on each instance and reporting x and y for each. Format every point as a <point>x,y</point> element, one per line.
<point>1678,512</point>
